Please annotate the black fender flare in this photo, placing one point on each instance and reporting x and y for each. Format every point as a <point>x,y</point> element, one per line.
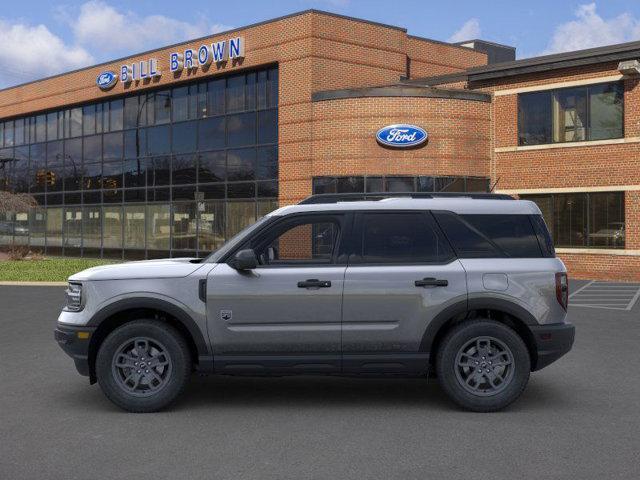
<point>465,306</point>
<point>175,311</point>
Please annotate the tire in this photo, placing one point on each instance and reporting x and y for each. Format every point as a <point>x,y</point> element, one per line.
<point>140,383</point>
<point>502,360</point>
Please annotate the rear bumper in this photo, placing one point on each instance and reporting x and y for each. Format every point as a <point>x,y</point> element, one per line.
<point>75,343</point>
<point>552,342</point>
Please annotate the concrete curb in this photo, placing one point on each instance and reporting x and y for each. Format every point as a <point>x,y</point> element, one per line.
<point>33,284</point>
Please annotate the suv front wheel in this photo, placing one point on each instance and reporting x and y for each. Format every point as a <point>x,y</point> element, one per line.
<point>483,365</point>
<point>143,366</point>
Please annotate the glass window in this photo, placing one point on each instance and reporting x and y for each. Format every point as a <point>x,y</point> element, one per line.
<point>212,167</point>
<point>400,238</point>
<point>477,185</point>
<point>158,227</point>
<point>184,137</point>
<point>162,107</point>
<point>592,112</point>
<point>73,227</point>
<point>593,220</point>
<point>92,176</point>
<point>201,103</point>
<point>449,184</point>
<point>241,190</point>
<point>184,169</point>
<point>241,129</point>
<point>268,189</point>
<point>313,241</point>
<point>102,117</point>
<point>467,241</point>
<point>75,122</point>
<point>54,227</point>
<point>513,234</point>
<point>111,175</point>
<point>116,115</point>
<point>180,102</point>
<point>534,118</point>
<point>92,227</point>
<point>241,164</point>
<point>41,129</point>
<point>134,226</point>
<point>267,168</point>
<point>131,112</point>
<point>570,115</point>
<point>399,184</point>
<point>268,126</point>
<point>351,184</point>
<point>240,214</point>
<point>272,88</point>
<point>21,169</point>
<point>112,145</point>
<point>112,237</point>
<point>135,173</point>
<point>211,133</point>
<point>211,226</point>
<point>261,89</point>
<point>8,134</point>
<point>52,126</point>
<point>159,172</point>
<point>158,140</point>
<point>235,93</point>
<point>92,149</point>
<point>606,106</point>
<point>19,131</point>
<point>89,120</point>
<point>215,97</point>
<point>135,143</point>
<point>37,226</point>
<point>425,184</point>
<point>325,185</point>
<point>184,226</point>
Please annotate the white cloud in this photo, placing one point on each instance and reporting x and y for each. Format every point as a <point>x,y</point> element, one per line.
<point>469,31</point>
<point>591,30</point>
<point>104,29</point>
<point>28,52</point>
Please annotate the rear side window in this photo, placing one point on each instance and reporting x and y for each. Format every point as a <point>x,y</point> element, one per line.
<point>400,238</point>
<point>491,236</point>
<point>544,237</point>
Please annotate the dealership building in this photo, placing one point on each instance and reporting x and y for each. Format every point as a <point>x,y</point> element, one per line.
<point>170,152</point>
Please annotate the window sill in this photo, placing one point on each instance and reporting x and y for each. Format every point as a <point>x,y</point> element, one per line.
<point>547,146</point>
<point>599,251</point>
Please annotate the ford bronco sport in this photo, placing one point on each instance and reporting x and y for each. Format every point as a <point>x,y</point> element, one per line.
<point>463,287</point>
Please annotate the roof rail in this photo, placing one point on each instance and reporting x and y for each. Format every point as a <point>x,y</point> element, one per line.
<point>354,197</point>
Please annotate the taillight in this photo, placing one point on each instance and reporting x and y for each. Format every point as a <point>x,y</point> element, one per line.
<point>562,289</point>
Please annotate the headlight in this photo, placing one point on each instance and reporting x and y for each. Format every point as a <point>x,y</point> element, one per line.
<point>73,295</point>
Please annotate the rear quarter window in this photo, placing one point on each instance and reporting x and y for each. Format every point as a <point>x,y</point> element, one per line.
<point>491,236</point>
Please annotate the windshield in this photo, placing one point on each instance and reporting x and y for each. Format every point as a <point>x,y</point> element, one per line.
<point>238,238</point>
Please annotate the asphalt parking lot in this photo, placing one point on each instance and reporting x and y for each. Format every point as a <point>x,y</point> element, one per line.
<point>578,419</point>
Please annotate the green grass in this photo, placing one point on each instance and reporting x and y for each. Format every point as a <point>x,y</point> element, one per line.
<point>50,269</point>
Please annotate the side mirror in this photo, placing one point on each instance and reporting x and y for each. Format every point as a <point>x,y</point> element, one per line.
<point>245,260</point>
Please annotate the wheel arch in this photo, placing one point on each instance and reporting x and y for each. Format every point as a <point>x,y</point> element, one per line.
<point>503,311</point>
<point>126,310</point>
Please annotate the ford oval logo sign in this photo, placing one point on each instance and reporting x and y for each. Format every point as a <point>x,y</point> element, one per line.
<point>106,80</point>
<point>401,136</point>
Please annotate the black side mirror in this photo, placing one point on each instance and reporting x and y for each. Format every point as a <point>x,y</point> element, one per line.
<point>245,260</point>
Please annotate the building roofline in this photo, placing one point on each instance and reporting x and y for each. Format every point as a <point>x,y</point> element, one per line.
<point>495,44</point>
<point>556,61</point>
<point>225,32</point>
<point>400,90</point>
<point>441,42</point>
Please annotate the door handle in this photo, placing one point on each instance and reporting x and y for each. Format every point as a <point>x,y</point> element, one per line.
<point>314,283</point>
<point>431,282</point>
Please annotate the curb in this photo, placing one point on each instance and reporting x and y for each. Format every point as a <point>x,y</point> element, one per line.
<point>33,284</point>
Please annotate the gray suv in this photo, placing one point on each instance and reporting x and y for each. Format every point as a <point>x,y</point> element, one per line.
<point>466,288</point>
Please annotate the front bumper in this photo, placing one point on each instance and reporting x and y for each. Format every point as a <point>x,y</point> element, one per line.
<point>75,343</point>
<point>552,342</point>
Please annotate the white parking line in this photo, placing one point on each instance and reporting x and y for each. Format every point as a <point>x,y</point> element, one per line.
<point>610,296</point>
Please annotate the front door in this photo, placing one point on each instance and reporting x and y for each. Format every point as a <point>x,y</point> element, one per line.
<point>401,274</point>
<point>285,314</point>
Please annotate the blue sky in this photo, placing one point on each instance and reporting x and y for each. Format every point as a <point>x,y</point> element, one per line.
<point>43,37</point>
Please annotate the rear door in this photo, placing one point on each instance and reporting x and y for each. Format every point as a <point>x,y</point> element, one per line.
<point>401,274</point>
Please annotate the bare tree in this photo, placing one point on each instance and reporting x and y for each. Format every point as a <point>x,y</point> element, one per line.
<point>16,202</point>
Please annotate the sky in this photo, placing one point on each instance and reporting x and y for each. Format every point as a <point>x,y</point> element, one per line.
<point>39,38</point>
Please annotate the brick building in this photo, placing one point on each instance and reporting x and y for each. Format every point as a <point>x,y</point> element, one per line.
<point>171,151</point>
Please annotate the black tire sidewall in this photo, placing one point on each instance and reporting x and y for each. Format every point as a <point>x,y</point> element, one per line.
<point>177,349</point>
<point>458,337</point>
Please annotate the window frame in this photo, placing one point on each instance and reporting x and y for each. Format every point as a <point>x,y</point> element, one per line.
<point>552,93</point>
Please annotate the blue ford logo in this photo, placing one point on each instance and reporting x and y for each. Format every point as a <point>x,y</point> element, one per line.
<point>401,136</point>
<point>106,80</point>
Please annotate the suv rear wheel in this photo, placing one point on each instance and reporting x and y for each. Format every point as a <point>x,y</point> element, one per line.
<point>143,366</point>
<point>483,365</point>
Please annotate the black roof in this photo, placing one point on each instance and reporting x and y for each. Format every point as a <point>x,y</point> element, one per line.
<point>590,56</point>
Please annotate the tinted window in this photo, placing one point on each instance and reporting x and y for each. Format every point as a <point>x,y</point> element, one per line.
<point>467,241</point>
<point>513,234</point>
<point>401,238</point>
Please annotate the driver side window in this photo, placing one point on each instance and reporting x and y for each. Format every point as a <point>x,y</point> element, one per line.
<point>309,242</point>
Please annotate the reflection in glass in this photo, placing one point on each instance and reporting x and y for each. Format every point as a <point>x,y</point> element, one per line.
<point>158,227</point>
<point>134,226</point>
<point>112,227</point>
<point>184,226</point>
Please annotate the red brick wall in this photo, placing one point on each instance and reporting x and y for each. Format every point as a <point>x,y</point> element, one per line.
<point>429,58</point>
